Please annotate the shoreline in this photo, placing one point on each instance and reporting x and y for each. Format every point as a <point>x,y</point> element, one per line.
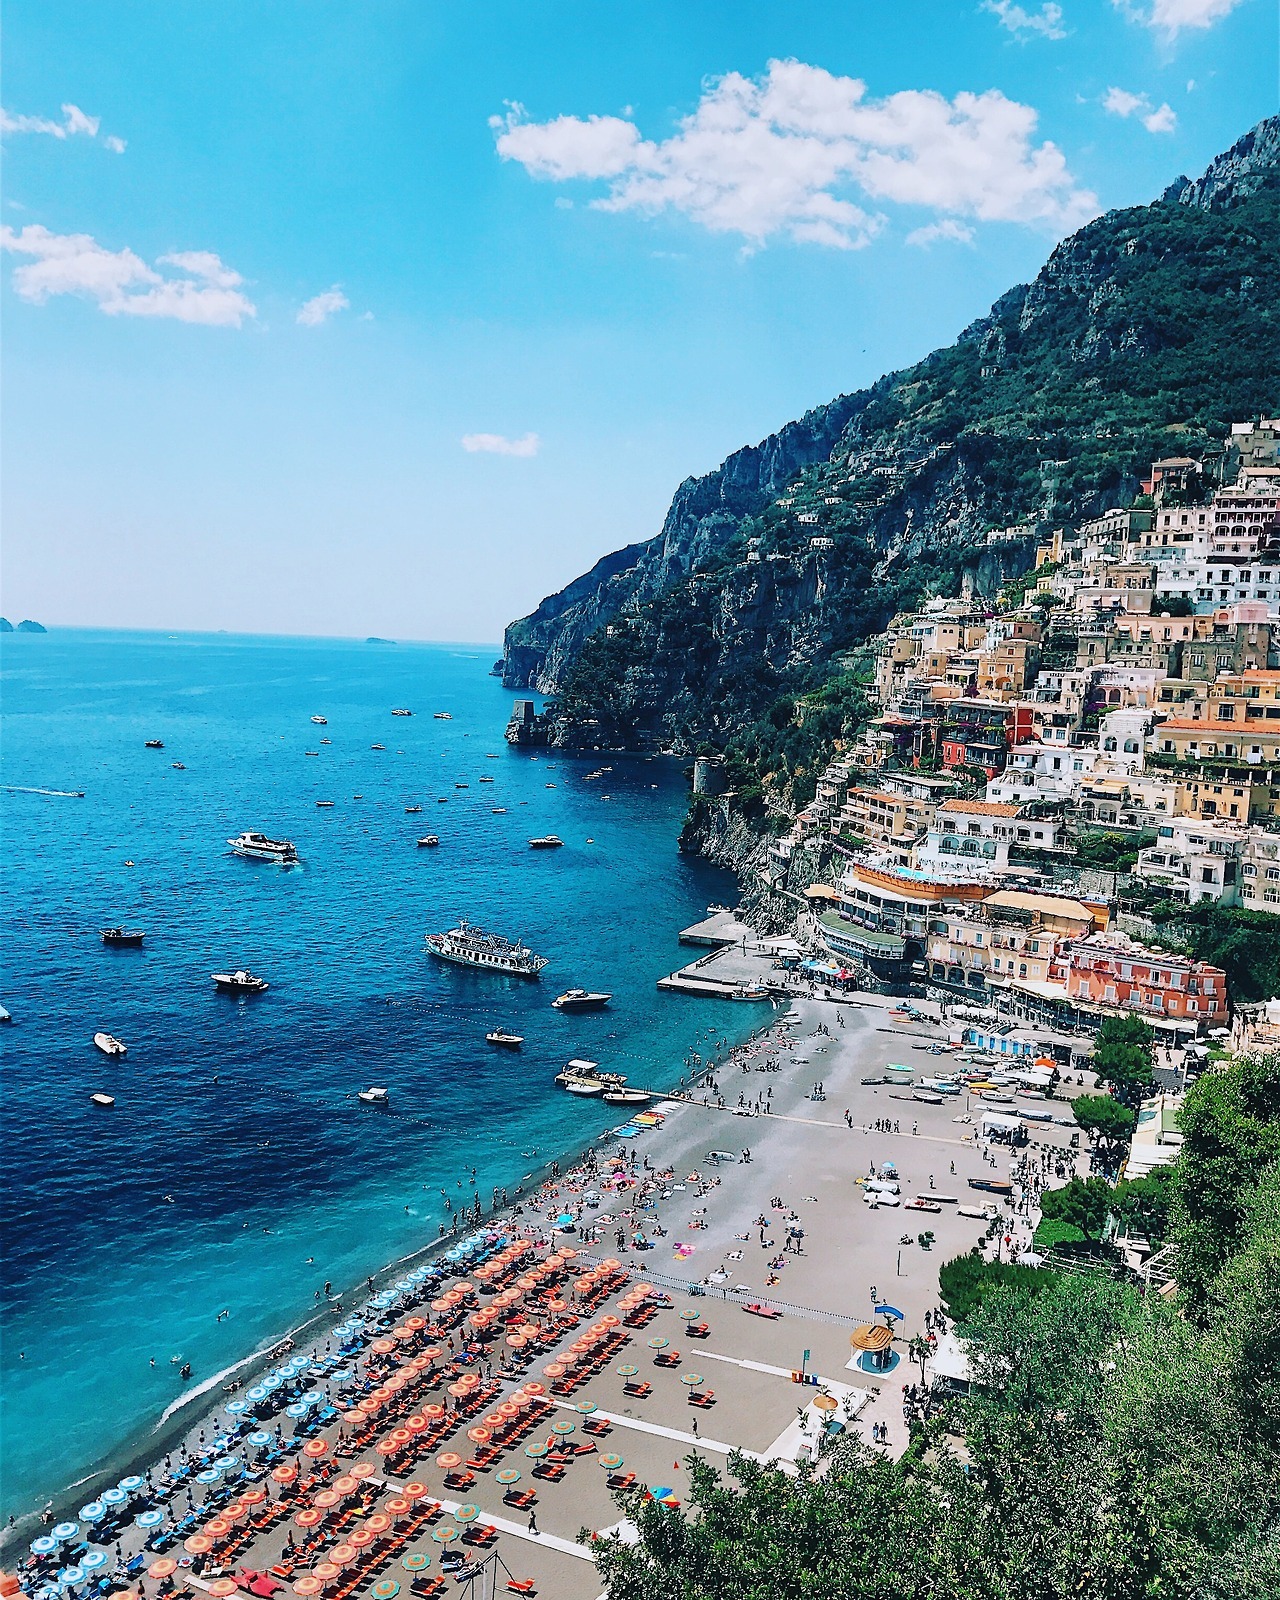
<point>140,1449</point>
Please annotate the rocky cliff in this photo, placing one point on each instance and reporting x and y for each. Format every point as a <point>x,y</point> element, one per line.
<point>1144,335</point>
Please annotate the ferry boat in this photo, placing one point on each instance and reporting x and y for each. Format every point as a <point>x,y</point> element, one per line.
<point>155,744</point>
<point>548,841</point>
<point>131,936</point>
<point>505,1040</point>
<point>374,1097</point>
<point>242,981</point>
<point>110,1045</point>
<point>259,848</point>
<point>428,841</point>
<point>470,946</point>
<point>321,722</point>
<point>580,1000</point>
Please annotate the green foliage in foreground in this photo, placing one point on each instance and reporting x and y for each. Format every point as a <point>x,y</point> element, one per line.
<point>1116,1446</point>
<point>965,1281</point>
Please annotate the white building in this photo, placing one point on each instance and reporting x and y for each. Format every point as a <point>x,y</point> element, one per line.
<point>1195,860</point>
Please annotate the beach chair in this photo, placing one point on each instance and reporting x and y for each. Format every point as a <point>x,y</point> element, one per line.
<point>482,1535</point>
<point>551,1471</point>
<point>621,1480</point>
<point>638,1391</point>
<point>459,1480</point>
<point>522,1499</point>
<point>704,1399</point>
<point>698,1330</point>
<point>521,1586</point>
<point>597,1426</point>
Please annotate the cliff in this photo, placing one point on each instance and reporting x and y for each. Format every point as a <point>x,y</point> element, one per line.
<point>1144,335</point>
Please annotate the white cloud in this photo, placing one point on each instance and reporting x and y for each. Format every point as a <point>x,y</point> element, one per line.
<point>1170,17</point>
<point>1047,22</point>
<point>121,283</point>
<point>948,228</point>
<point>497,444</point>
<point>1155,119</point>
<point>321,307</point>
<point>74,122</point>
<point>778,155</point>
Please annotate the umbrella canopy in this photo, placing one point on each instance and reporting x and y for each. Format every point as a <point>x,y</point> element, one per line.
<point>342,1555</point>
<point>308,1585</point>
<point>586,1407</point>
<point>284,1473</point>
<point>65,1530</point>
<point>467,1513</point>
<point>692,1379</point>
<point>315,1447</point>
<point>415,1561</point>
<point>93,1559</point>
<point>361,1538</point>
<point>385,1589</point>
<point>131,1484</point>
<point>535,1450</point>
<point>164,1568</point>
<point>563,1427</point>
<point>825,1402</point>
<point>890,1311</point>
<point>200,1544</point>
<point>44,1545</point>
<point>379,1522</point>
<point>626,1370</point>
<point>508,1475</point>
<point>149,1519</point>
<point>871,1336</point>
<point>325,1570</point>
<point>95,1511</point>
<point>689,1316</point>
<point>611,1462</point>
<point>306,1518</point>
<point>363,1469</point>
<point>223,1588</point>
<point>446,1533</point>
<point>449,1459</point>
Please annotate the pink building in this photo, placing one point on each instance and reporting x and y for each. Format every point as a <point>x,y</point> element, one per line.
<point>1110,969</point>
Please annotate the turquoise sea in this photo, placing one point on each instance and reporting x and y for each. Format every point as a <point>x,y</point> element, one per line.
<point>126,1232</point>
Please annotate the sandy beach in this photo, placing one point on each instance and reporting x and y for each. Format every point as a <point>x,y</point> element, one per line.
<point>787,1227</point>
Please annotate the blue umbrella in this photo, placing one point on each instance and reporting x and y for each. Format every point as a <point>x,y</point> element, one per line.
<point>259,1437</point>
<point>890,1311</point>
<point>70,1576</point>
<point>131,1485</point>
<point>297,1409</point>
<point>256,1393</point>
<point>113,1497</point>
<point>227,1463</point>
<point>149,1519</point>
<point>236,1407</point>
<point>92,1560</point>
<point>66,1530</point>
<point>44,1545</point>
<point>209,1475</point>
<point>93,1512</point>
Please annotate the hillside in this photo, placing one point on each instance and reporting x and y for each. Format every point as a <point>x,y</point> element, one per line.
<point>1143,336</point>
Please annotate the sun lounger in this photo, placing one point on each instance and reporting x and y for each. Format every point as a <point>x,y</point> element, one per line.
<point>638,1391</point>
<point>757,1310</point>
<point>521,1586</point>
<point>596,1425</point>
<point>698,1330</point>
<point>621,1480</point>
<point>704,1398</point>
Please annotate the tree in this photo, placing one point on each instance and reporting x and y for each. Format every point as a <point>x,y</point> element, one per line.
<point>1122,1056</point>
<point>1083,1203</point>
<point>919,1351</point>
<point>1104,1119</point>
<point>1144,1203</point>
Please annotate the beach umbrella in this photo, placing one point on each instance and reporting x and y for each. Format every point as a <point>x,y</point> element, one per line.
<point>563,1427</point>
<point>659,1343</point>
<point>44,1545</point>
<point>93,1512</point>
<point>325,1570</point>
<point>478,1435</point>
<point>535,1450</point>
<point>131,1484</point>
<point>70,1576</point>
<point>256,1394</point>
<point>65,1530</point>
<point>396,1506</point>
<point>692,1379</point>
<point>363,1469</point>
<point>346,1484</point>
<point>689,1316</point>
<point>198,1544</point>
<point>209,1475</point>
<point>164,1568</point>
<point>308,1585</point>
<point>285,1473</point>
<point>508,1475</point>
<point>449,1459</point>
<point>326,1499</point>
<point>415,1561</point>
<point>416,1423</point>
<point>217,1527</point>
<point>626,1370</point>
<point>871,1336</point>
<point>385,1589</point>
<point>235,1408</point>
<point>467,1513</point>
<point>433,1412</point>
<point>664,1496</point>
<point>299,1408</point>
<point>361,1539</point>
<point>315,1447</point>
<point>308,1517</point>
<point>825,1402</point>
<point>223,1588</point>
<point>586,1407</point>
<point>259,1437</point>
<point>535,1388</point>
<point>342,1555</point>
<point>446,1533</point>
<point>223,1463</point>
<point>508,1408</point>
<point>611,1463</point>
<point>379,1522</point>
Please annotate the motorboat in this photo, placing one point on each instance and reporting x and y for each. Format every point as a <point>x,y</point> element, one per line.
<point>991,1185</point>
<point>444,716</point>
<point>485,777</point>
<point>401,711</point>
<point>123,936</point>
<point>321,722</point>
<point>311,752</point>
<point>584,1078</point>
<point>259,848</point>
<point>374,1097</point>
<point>377,747</point>
<point>412,811</point>
<point>922,1203</point>
<point>751,993</point>
<point>102,1099</point>
<point>242,981</point>
<point>505,1040</point>
<point>626,1097</point>
<point>498,811</point>
<point>470,946</point>
<point>583,1087</point>
<point>324,804</point>
<point>462,785</point>
<point>548,841</point>
<point>155,744</point>
<point>428,840</point>
<point>926,1097</point>
<point>110,1045</point>
<point>580,1000</point>
<point>326,741</point>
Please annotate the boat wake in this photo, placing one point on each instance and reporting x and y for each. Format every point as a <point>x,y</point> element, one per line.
<point>60,794</point>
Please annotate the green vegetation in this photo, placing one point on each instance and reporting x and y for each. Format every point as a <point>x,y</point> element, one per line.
<point>1105,1120</point>
<point>1083,1204</point>
<point>1115,1446</point>
<point>1245,944</point>
<point>1111,851</point>
<point>1122,1056</point>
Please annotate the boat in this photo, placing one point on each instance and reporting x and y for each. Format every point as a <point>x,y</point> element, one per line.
<point>155,744</point>
<point>377,747</point>
<point>486,777</point>
<point>412,811</point>
<point>583,1087</point>
<point>374,1097</point>
<point>498,811</point>
<point>750,993</point>
<point>444,716</point>
<point>178,766</point>
<point>428,840</point>
<point>875,1077</point>
<point>926,1097</point>
<point>129,936</point>
<point>326,741</point>
<point>321,722</point>
<point>505,1040</point>
<point>259,848</point>
<point>585,1078</point>
<point>110,1045</point>
<point>102,1099</point>
<point>580,1000</point>
<point>462,785</point>
<point>626,1097</point>
<point>401,711</point>
<point>324,804</point>
<point>242,981</point>
<point>311,752</point>
<point>548,841</point>
<point>991,1185</point>
<point>921,1203</point>
<point>470,946</point>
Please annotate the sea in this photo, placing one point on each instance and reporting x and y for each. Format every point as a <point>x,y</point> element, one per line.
<point>201,1216</point>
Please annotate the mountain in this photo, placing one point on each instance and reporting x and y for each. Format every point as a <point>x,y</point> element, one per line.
<point>28,626</point>
<point>1145,335</point>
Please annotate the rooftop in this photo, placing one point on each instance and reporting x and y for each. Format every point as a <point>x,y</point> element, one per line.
<point>980,808</point>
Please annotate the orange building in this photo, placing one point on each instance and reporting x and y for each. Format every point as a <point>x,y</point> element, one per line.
<point>1111,971</point>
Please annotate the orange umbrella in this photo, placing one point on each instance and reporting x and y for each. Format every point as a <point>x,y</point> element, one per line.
<point>307,1585</point>
<point>382,1347</point>
<point>199,1544</point>
<point>401,1436</point>
<point>217,1527</point>
<point>516,1341</point>
<point>396,1506</point>
<point>253,1497</point>
<point>478,1435</point>
<point>416,1424</point>
<point>315,1447</point>
<point>369,1405</point>
<point>416,1323</point>
<point>448,1460</point>
<point>164,1568</point>
<point>557,1306</point>
<point>324,1570</point>
<point>470,1380</point>
<point>535,1388</point>
<point>308,1517</point>
<point>363,1469</point>
<point>379,1522</point>
<point>344,1485</point>
<point>457,1390</point>
<point>416,1490</point>
<point>285,1473</point>
<point>609,1322</point>
<point>221,1588</point>
<point>433,1413</point>
<point>555,1370</point>
<point>402,1334</point>
<point>362,1539</point>
<point>432,1354</point>
<point>342,1554</point>
<point>386,1447</point>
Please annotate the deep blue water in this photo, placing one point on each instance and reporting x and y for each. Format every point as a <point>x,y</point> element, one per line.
<point>125,1232</point>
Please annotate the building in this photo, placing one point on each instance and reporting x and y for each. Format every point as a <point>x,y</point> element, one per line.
<point>878,817</point>
<point>1114,973</point>
<point>1009,940</point>
<point>1194,860</point>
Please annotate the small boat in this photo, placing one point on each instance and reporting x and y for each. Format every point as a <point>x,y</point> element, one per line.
<point>486,777</point>
<point>444,716</point>
<point>983,1213</point>
<point>5,1014</point>
<point>401,711</point>
<point>580,1000</point>
<point>324,804</point>
<point>242,981</point>
<point>377,747</point>
<point>259,848</point>
<point>428,841</point>
<point>507,1041</point>
<point>129,863</point>
<point>129,936</point>
<point>155,744</point>
<point>321,722</point>
<point>462,785</point>
<point>548,841</point>
<point>585,1078</point>
<point>178,766</point>
<point>311,752</point>
<point>875,1077</point>
<point>442,800</point>
<point>110,1045</point>
<point>583,1087</point>
<point>412,811</point>
<point>926,1097</point>
<point>626,1097</point>
<point>326,741</point>
<point>920,1203</point>
<point>498,811</point>
<point>991,1185</point>
<point>752,993</point>
<point>102,1099</point>
<point>374,1097</point>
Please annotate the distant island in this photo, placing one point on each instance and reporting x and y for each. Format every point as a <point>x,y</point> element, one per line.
<point>373,639</point>
<point>25,626</point>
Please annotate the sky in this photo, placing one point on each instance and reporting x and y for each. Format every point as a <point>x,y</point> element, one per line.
<point>392,317</point>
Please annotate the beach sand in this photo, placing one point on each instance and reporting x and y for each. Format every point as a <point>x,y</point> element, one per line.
<point>708,1256</point>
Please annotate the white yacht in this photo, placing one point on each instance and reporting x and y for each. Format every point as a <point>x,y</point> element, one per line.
<point>321,722</point>
<point>374,1097</point>
<point>110,1045</point>
<point>259,848</point>
<point>242,981</point>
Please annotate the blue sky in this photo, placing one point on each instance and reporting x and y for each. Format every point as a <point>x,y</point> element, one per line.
<point>277,263</point>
